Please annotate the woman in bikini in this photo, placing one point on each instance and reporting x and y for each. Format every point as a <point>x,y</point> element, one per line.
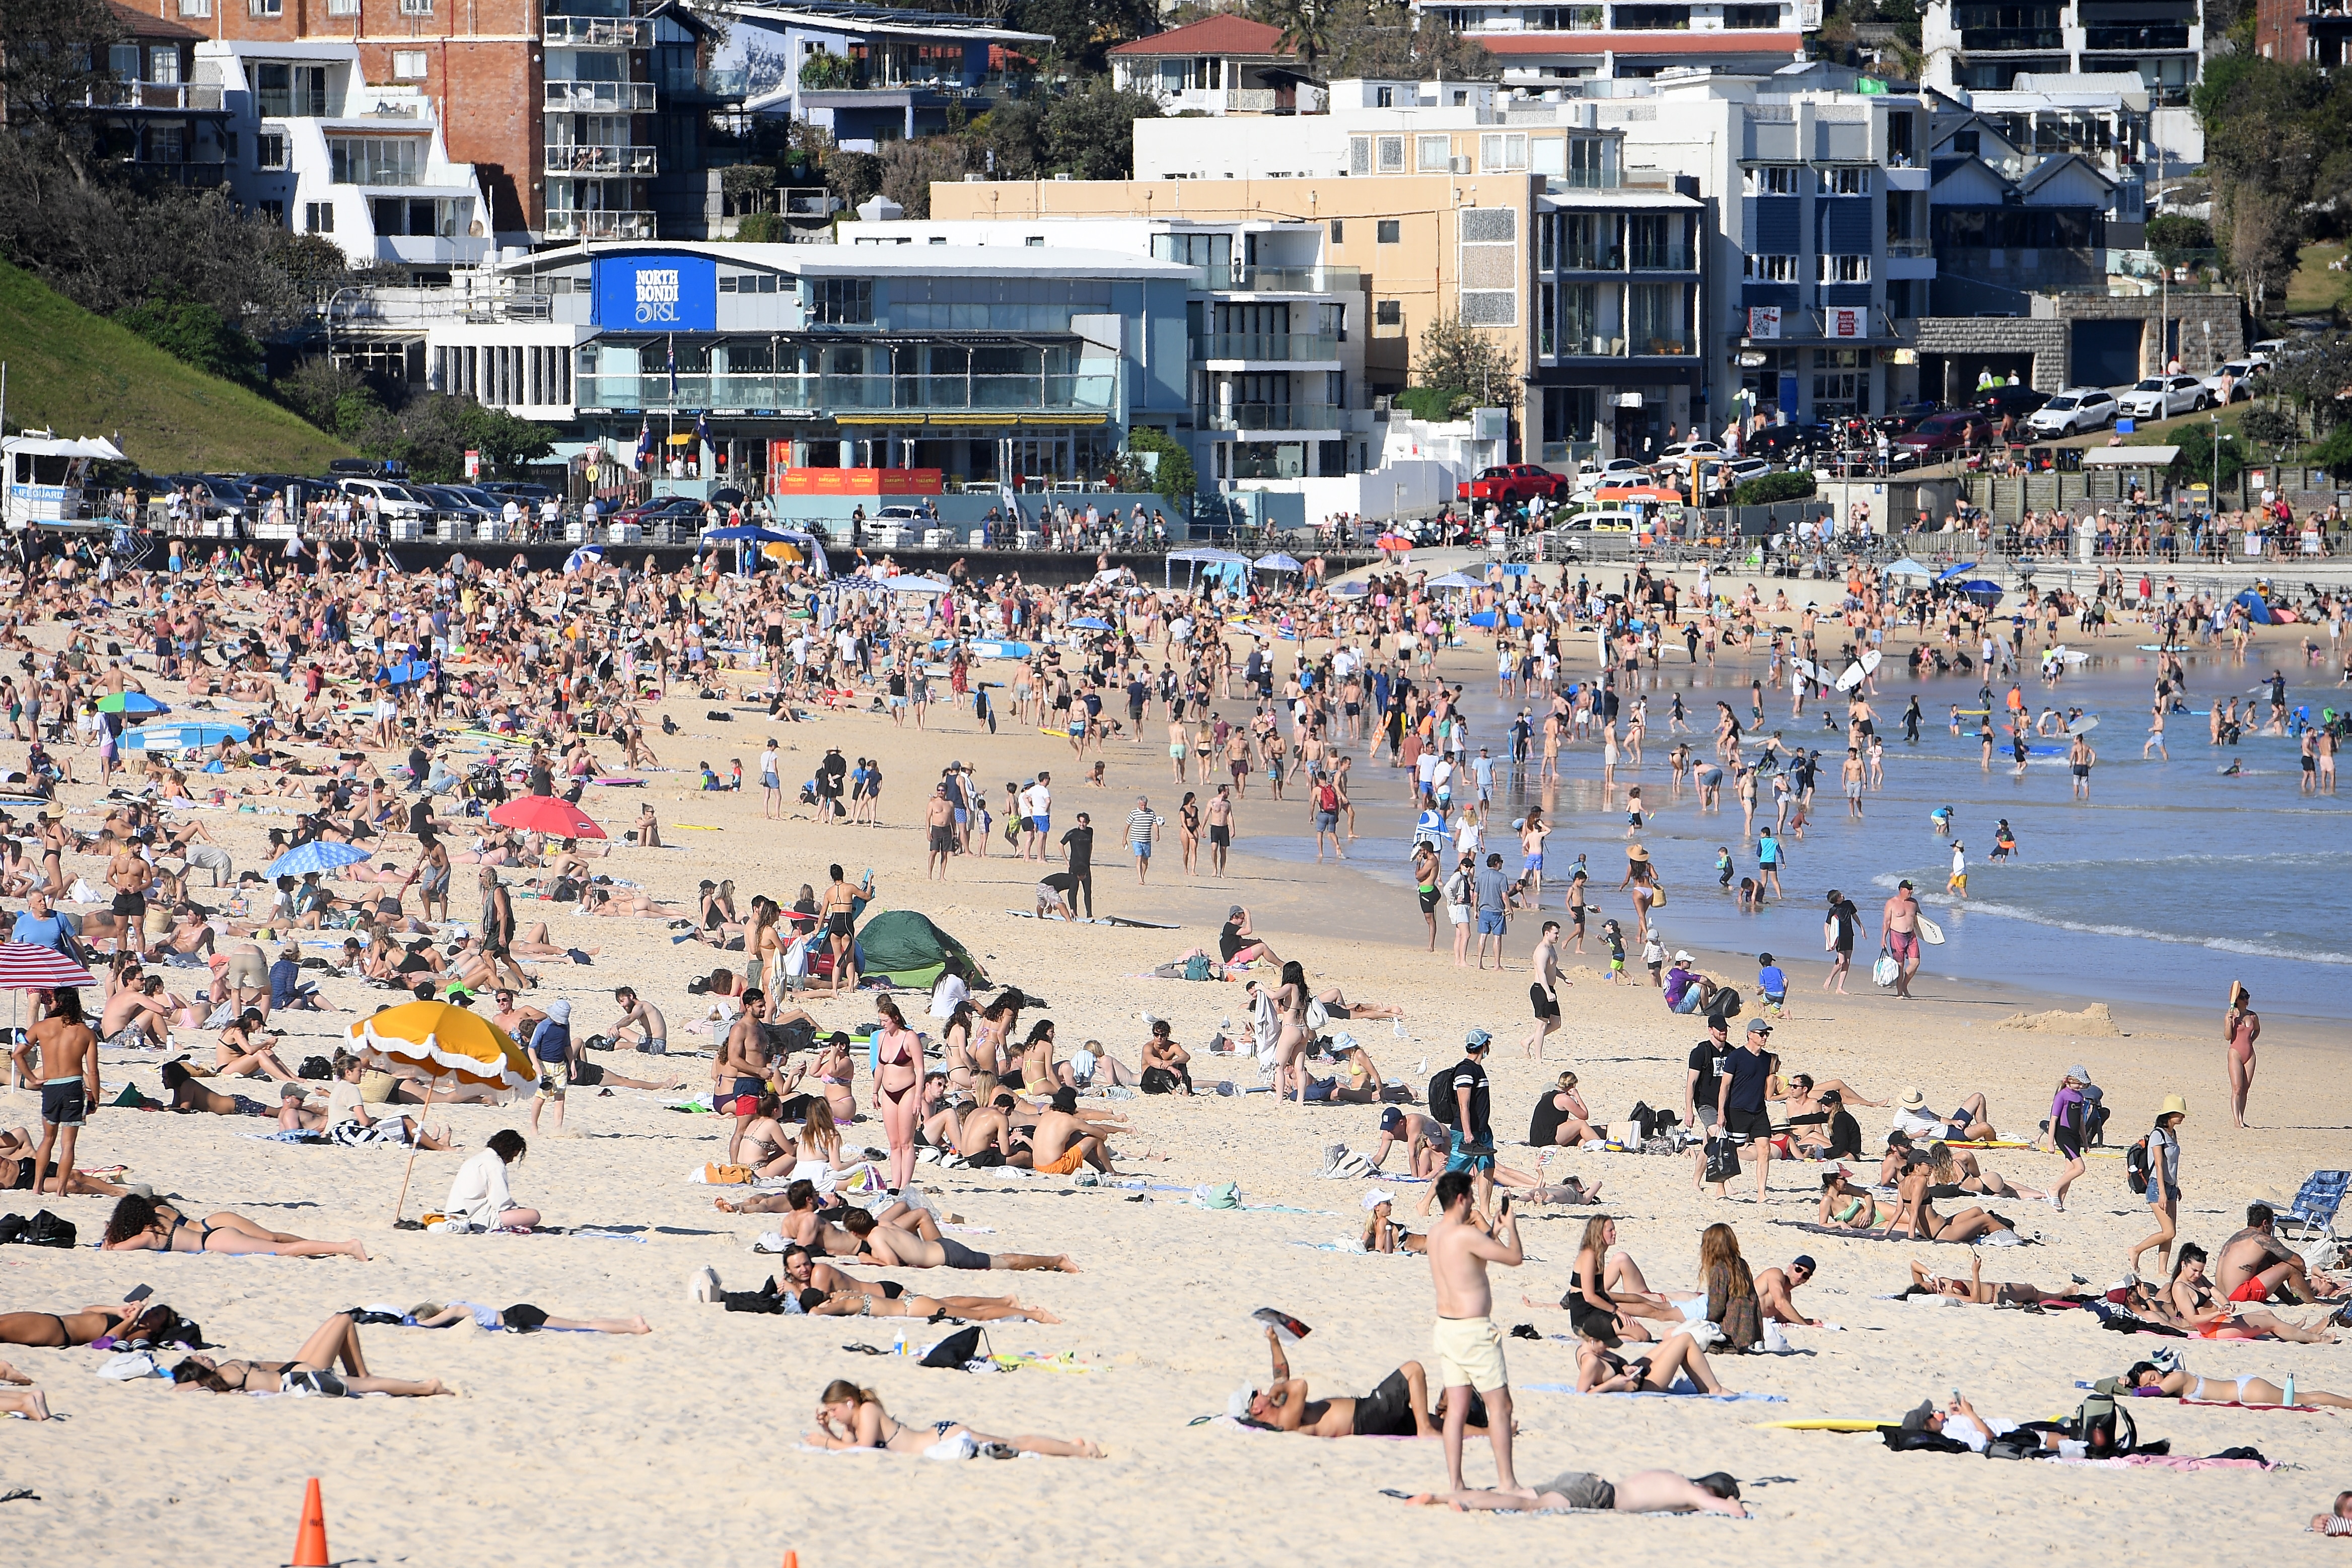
<point>2191,1302</point>
<point>1290,999</point>
<point>956,1051</point>
<point>1985,1292</point>
<point>2146,1380</point>
<point>189,1094</point>
<point>56,1331</point>
<point>835,1073</point>
<point>1845,1205</point>
<point>848,1416</point>
<point>1606,1293</point>
<point>1034,1073</point>
<point>1915,1215</point>
<point>1188,832</point>
<point>1954,1174</point>
<point>2240,1028</point>
<point>312,1370</point>
<point>897,1073</point>
<point>1599,1369</point>
<point>141,1225</point>
<point>997,1022</point>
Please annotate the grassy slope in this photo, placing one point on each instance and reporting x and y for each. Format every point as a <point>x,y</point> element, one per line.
<point>83,375</point>
<point>2314,288</point>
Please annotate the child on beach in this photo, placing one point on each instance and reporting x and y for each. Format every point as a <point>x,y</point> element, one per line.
<point>1773,981</point>
<point>1653,953</point>
<point>1613,936</point>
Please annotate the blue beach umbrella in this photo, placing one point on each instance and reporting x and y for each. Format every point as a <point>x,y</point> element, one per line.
<point>409,674</point>
<point>1090,624</point>
<point>181,737</point>
<point>319,855</point>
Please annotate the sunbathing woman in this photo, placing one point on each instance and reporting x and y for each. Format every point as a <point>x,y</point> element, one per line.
<point>2192,1302</point>
<point>1955,1173</point>
<point>1915,1215</point>
<point>522,1317</point>
<point>1976,1287</point>
<point>1845,1204</point>
<point>312,1370</point>
<point>849,1416</point>
<point>1599,1369</point>
<point>189,1094</point>
<point>55,1330</point>
<point>2147,1379</point>
<point>1339,1006</point>
<point>141,1225</point>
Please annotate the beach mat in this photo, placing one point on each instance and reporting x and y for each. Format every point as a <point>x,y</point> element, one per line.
<point>1586,1512</point>
<point>1880,1233</point>
<point>1825,1423</point>
<point>1749,1397</point>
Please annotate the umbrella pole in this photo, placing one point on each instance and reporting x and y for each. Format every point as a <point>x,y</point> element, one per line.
<point>410,1169</point>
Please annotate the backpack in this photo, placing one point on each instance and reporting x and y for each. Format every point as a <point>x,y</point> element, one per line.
<point>2105,1427</point>
<point>953,1352</point>
<point>2135,1165</point>
<point>317,1069</point>
<point>46,1230</point>
<point>1197,967</point>
<point>1442,1103</point>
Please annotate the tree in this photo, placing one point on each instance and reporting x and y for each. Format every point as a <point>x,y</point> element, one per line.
<point>194,333</point>
<point>506,441</point>
<point>1379,38</point>
<point>1171,472</point>
<point>1305,27</point>
<point>1013,130</point>
<point>1085,30</point>
<point>2175,240</point>
<point>1090,132</point>
<point>762,228</point>
<point>2193,464</point>
<point>852,176</point>
<point>1468,364</point>
<point>53,55</point>
<point>909,168</point>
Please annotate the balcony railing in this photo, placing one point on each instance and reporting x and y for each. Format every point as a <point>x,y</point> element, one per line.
<point>909,399</point>
<point>1976,40</point>
<point>2167,36</point>
<point>1909,249</point>
<point>1671,257</point>
<point>586,158</point>
<point>597,32</point>
<point>1276,347</point>
<point>1602,179</point>
<point>1249,100</point>
<point>181,95</point>
<point>1592,259</point>
<point>1271,417</point>
<point>600,97</point>
<point>1239,280</point>
<point>603,225</point>
<point>722,83</point>
<point>1604,346</point>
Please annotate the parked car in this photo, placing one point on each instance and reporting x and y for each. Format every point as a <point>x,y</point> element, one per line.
<point>1611,471</point>
<point>1780,442</point>
<point>1681,454</point>
<point>1739,470</point>
<point>1515,485</point>
<point>1905,417</point>
<point>2166,397</point>
<point>2075,412</point>
<point>529,495</point>
<point>1602,520</point>
<point>660,509</point>
<point>388,498</point>
<point>451,502</point>
<point>2016,400</point>
<point>2238,376</point>
<point>212,495</point>
<point>1952,431</point>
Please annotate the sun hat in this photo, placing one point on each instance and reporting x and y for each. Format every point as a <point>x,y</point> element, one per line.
<point>2173,1106</point>
<point>1635,852</point>
<point>1915,1099</point>
<point>560,1011</point>
<point>1682,955</point>
<point>1915,1420</point>
<point>1375,1198</point>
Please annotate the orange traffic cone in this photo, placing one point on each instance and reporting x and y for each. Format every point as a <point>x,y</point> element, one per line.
<point>311,1540</point>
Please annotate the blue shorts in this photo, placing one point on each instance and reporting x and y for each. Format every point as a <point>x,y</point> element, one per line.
<point>1490,922</point>
<point>1326,822</point>
<point>1143,848</point>
<point>1477,1160</point>
<point>1043,824</point>
<point>1532,863</point>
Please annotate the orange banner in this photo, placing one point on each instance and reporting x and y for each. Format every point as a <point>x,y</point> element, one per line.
<point>857,482</point>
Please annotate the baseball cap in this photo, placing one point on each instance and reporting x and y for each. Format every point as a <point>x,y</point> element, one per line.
<point>1391,1118</point>
<point>1759,1026</point>
<point>1476,1040</point>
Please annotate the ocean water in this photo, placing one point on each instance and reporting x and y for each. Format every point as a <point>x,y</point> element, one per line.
<point>2170,882</point>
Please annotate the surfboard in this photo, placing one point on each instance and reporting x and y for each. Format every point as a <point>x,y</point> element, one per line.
<point>1852,678</point>
<point>2084,725</point>
<point>1931,933</point>
<point>2151,647</point>
<point>1826,1424</point>
<point>994,648</point>
<point>1871,661</point>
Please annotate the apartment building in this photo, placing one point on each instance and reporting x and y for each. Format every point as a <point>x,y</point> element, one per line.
<point>1541,45</point>
<point>151,112</point>
<point>1972,45</point>
<point>2319,31</point>
<point>1219,65</point>
<point>1272,337</point>
<point>322,151</point>
<point>871,74</point>
<point>582,118</point>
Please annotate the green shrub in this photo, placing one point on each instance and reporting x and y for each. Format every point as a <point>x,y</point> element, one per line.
<point>1772,488</point>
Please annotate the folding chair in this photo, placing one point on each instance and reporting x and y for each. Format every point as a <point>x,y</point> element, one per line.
<point>2313,1212</point>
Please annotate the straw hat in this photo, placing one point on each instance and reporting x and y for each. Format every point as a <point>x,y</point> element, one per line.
<point>1915,1099</point>
<point>1635,852</point>
<point>2173,1106</point>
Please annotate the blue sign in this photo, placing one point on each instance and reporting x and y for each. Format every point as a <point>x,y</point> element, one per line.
<point>657,293</point>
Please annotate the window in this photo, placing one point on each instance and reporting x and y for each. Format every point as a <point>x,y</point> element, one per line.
<point>1546,242</point>
<point>1387,97</point>
<point>267,7</point>
<point>1338,230</point>
<point>1435,154</point>
<point>195,7</point>
<point>1844,269</point>
<point>1751,15</point>
<point>1388,230</point>
<point>376,160</point>
<point>269,149</point>
<point>1585,162</point>
<point>275,212</point>
<point>1335,322</point>
<point>1845,182</point>
<point>342,7</point>
<point>416,7</point>
<point>1775,180</point>
<point>1579,320</point>
<point>1036,242</point>
<point>1966,143</point>
<point>1391,154</point>
<point>1335,388</point>
<point>1359,154</point>
<point>1506,153</point>
<point>281,91</point>
<point>1545,312</point>
<point>122,61</point>
<point>1770,268</point>
<point>164,63</point>
<point>317,218</point>
<point>841,301</point>
<point>408,64</point>
<point>1387,313</point>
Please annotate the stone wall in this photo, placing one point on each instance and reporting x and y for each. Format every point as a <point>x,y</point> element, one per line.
<point>1963,337</point>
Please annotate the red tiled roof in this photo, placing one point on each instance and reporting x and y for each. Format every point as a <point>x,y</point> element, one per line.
<point>136,23</point>
<point>1223,35</point>
<point>1642,41</point>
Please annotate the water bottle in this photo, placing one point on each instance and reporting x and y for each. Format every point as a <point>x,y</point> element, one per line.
<point>898,1342</point>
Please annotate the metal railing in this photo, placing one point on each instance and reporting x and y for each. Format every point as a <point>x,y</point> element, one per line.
<point>1592,259</point>
<point>1278,347</point>
<point>935,399</point>
<point>187,95</point>
<point>1673,256</point>
<point>601,225</point>
<point>2168,36</point>
<point>600,97</point>
<point>588,158</point>
<point>1909,249</point>
<point>1241,279</point>
<point>1272,417</point>
<point>597,32</point>
<point>1977,40</point>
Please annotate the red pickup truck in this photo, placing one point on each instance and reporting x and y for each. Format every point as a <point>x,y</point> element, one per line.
<point>1515,485</point>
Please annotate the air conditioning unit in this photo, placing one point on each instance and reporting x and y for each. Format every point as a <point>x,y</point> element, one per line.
<point>1459,165</point>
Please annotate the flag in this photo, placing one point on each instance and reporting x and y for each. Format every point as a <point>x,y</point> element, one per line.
<point>645,446</point>
<point>702,428</point>
<point>673,370</point>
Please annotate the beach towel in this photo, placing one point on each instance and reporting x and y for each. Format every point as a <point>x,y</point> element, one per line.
<point>1747,1397</point>
<point>1588,1512</point>
<point>1826,1424</point>
<point>1882,1234</point>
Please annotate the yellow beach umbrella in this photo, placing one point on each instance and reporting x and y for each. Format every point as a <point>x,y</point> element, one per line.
<point>788,554</point>
<point>448,1041</point>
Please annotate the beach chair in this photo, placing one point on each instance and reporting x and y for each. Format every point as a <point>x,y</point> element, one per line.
<point>2313,1212</point>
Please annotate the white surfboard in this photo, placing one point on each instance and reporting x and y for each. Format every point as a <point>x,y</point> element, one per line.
<point>2084,725</point>
<point>1931,933</point>
<point>1852,678</point>
<point>1870,661</point>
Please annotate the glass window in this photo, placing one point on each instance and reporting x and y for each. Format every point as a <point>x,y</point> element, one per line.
<point>1503,152</point>
<point>1388,230</point>
<point>1843,268</point>
<point>1775,180</point>
<point>269,150</point>
<point>195,7</point>
<point>1338,230</point>
<point>1846,182</point>
<point>122,61</point>
<point>841,301</point>
<point>416,7</point>
<point>1436,154</point>
<point>375,160</point>
<point>268,7</point>
<point>164,63</point>
<point>1389,312</point>
<point>1770,268</point>
<point>317,218</point>
<point>408,64</point>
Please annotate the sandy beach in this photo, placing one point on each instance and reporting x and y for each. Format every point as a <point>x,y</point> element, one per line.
<point>684,1444</point>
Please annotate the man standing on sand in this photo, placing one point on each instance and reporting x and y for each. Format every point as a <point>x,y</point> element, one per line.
<point>1221,829</point>
<point>1079,852</point>
<point>1143,826</point>
<point>939,822</point>
<point>67,1070</point>
<point>1543,990</point>
<point>129,875</point>
<point>1469,1348</point>
<point>1898,933</point>
<point>1740,1110</point>
<point>1493,889</point>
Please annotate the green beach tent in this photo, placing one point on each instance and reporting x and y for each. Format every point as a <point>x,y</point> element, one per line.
<point>907,948</point>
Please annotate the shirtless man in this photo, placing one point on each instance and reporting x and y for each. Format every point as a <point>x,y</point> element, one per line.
<point>1543,992</point>
<point>742,1070</point>
<point>1776,1293</point>
<point>2255,1264</point>
<point>67,1074</point>
<point>1219,815</point>
<point>1397,1408</point>
<point>129,876</point>
<point>1063,1144</point>
<point>1424,1138</point>
<point>1898,933</point>
<point>1469,1348</point>
<point>1177,746</point>
<point>939,836</point>
<point>890,1248</point>
<point>642,1016</point>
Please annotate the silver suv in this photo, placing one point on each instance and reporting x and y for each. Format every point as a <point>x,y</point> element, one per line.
<point>2073,412</point>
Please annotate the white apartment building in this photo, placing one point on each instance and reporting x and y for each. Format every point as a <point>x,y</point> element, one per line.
<point>1972,46</point>
<point>1541,44</point>
<point>326,152</point>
